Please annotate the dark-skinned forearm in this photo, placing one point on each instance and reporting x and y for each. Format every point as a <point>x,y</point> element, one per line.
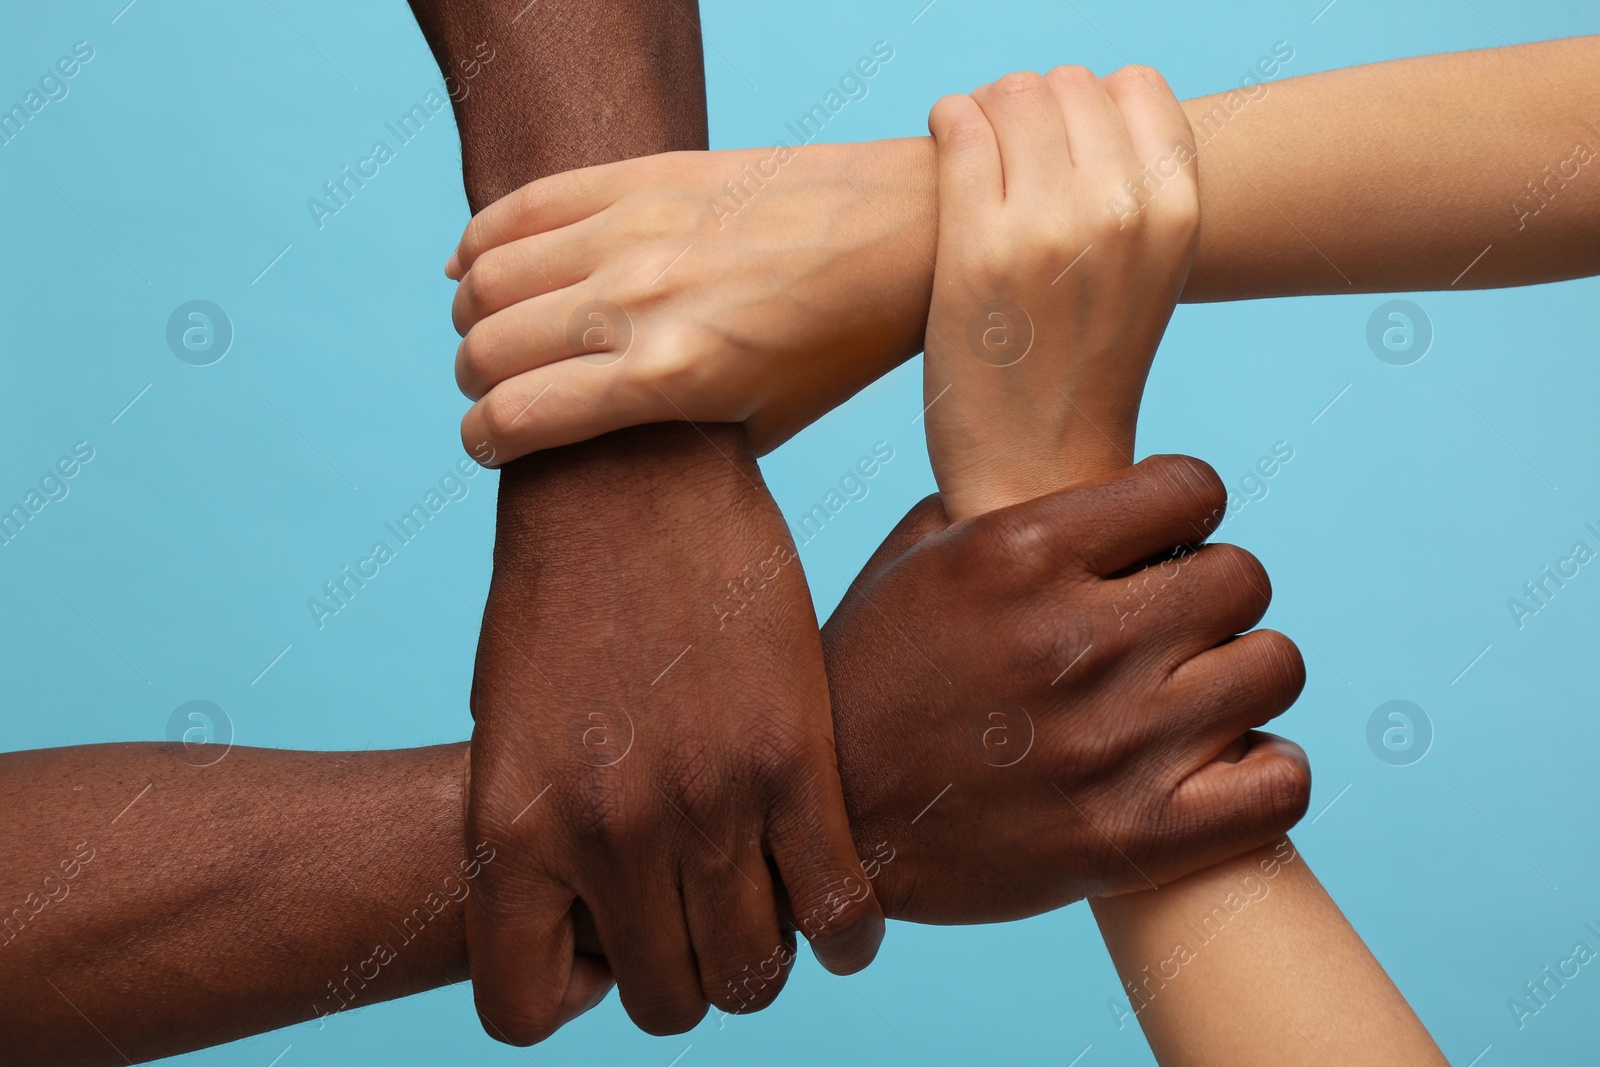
<point>152,906</point>
<point>572,83</point>
<point>545,104</point>
<point>550,101</point>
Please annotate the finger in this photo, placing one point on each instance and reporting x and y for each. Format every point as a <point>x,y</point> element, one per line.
<point>832,900</point>
<point>970,181</point>
<point>591,981</point>
<point>1122,519</point>
<point>537,207</point>
<point>926,517</point>
<point>646,941</point>
<point>522,269</point>
<point>1224,809</point>
<point>1239,686</point>
<point>1156,124</point>
<point>1031,134</point>
<point>1183,606</point>
<point>1096,136</point>
<point>742,951</point>
<point>1163,143</point>
<point>532,333</point>
<point>520,945</point>
<point>561,404</point>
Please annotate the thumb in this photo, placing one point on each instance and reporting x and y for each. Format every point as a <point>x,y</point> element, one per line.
<point>1226,808</point>
<point>971,183</point>
<point>588,985</point>
<point>525,972</point>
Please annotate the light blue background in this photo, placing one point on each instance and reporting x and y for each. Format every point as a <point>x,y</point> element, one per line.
<point>181,561</point>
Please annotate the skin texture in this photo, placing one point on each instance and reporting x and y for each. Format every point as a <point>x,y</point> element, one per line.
<point>1249,962</point>
<point>821,281</point>
<point>1269,971</point>
<point>608,559</point>
<point>218,900</point>
<point>1064,743</point>
<point>289,869</point>
<point>1044,306</point>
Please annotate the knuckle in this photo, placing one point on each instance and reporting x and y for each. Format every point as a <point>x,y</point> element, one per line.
<point>676,366</point>
<point>1131,826</point>
<point>745,991</point>
<point>988,261</point>
<point>1138,77</point>
<point>703,786</point>
<point>833,906</point>
<point>1283,793</point>
<point>1019,543</point>
<point>527,202</point>
<point>948,109</point>
<point>1118,223</point>
<point>1244,574</point>
<point>600,814</point>
<point>473,238</point>
<point>501,420</point>
<point>1193,484</point>
<point>475,440</point>
<point>1283,668</point>
<point>1022,86</point>
<point>481,286</point>
<point>466,379</point>
<point>785,768</point>
<point>520,1025</point>
<point>1031,245</point>
<point>644,224</point>
<point>491,812</point>
<point>1175,216</point>
<point>1070,75</point>
<point>1050,647</point>
<point>752,986</point>
<point>474,356</point>
<point>667,1009</point>
<point>852,908</point>
<point>958,124</point>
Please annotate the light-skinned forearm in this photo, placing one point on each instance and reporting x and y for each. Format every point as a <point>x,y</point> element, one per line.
<point>1389,177</point>
<point>1397,176</point>
<point>1251,963</point>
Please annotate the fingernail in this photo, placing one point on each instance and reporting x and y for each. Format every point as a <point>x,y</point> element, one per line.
<point>852,950</point>
<point>452,269</point>
<point>589,1003</point>
<point>594,999</point>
